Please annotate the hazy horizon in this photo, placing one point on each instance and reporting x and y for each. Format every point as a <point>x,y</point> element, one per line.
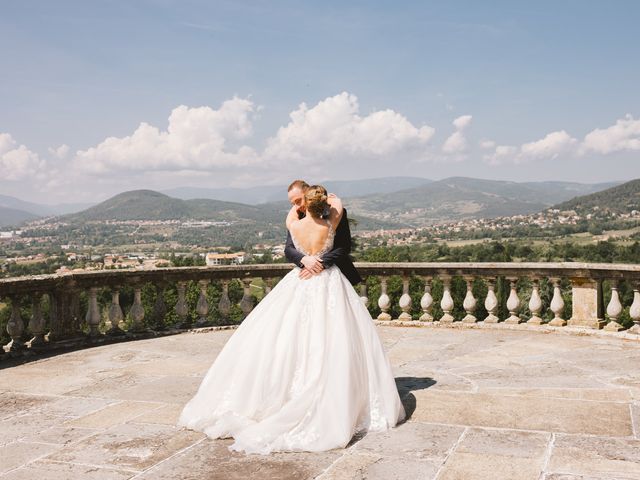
<point>167,191</point>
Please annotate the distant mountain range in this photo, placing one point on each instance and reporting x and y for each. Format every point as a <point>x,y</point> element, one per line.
<point>13,216</point>
<point>458,198</point>
<point>14,211</point>
<point>387,202</point>
<point>267,194</point>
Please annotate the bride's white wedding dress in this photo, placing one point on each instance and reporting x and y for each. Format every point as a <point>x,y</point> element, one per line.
<point>304,371</point>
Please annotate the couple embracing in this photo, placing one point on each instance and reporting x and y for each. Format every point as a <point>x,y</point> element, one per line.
<point>305,371</point>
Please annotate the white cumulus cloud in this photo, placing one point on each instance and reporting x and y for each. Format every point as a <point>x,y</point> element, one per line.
<point>462,122</point>
<point>502,154</point>
<point>334,129</point>
<point>550,146</point>
<point>196,138</point>
<point>17,161</point>
<point>60,152</point>
<point>457,142</point>
<point>624,135</point>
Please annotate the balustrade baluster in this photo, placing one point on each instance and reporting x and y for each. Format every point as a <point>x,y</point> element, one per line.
<point>469,303</point>
<point>246,303</point>
<point>634,311</point>
<point>182,309</point>
<point>426,302</point>
<point>383,302</point>
<point>224,306</point>
<point>36,323</point>
<point>557,305</point>
<point>491,302</point>
<point>202,307</point>
<point>405,300</point>
<point>614,309</point>
<point>137,310</point>
<point>159,308</point>
<point>115,315</point>
<point>513,303</point>
<point>93,313</point>
<point>535,303</point>
<point>363,294</point>
<point>15,326</point>
<point>268,285</point>
<point>446,303</point>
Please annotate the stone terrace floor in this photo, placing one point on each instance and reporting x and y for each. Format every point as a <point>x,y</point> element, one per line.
<point>485,404</point>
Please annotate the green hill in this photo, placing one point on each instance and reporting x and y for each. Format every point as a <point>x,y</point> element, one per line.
<point>151,205</point>
<point>619,199</point>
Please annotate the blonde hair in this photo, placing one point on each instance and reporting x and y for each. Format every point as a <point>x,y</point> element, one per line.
<point>315,198</point>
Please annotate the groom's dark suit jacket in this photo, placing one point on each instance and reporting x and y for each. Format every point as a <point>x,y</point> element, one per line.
<point>339,255</point>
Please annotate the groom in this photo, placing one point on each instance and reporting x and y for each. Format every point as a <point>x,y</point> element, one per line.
<point>339,255</point>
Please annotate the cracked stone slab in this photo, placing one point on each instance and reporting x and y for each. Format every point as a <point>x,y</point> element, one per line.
<point>412,440</point>
<point>600,457</point>
<point>497,454</point>
<point>128,447</point>
<point>64,471</point>
<point>16,454</point>
<point>113,415</point>
<point>76,406</point>
<point>212,460</point>
<point>60,435</point>
<point>111,384</point>
<point>15,403</point>
<point>169,389</point>
<point>525,413</point>
<point>20,426</point>
<point>597,394</point>
<point>38,378</point>
<point>165,415</point>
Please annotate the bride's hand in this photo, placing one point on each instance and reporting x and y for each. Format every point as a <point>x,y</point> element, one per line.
<point>311,263</point>
<point>305,274</point>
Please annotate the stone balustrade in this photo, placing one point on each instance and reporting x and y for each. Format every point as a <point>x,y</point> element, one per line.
<point>86,307</point>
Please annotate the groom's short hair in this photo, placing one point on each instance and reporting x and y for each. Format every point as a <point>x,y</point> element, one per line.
<point>301,184</point>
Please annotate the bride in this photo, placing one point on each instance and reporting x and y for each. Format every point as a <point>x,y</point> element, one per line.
<point>305,371</point>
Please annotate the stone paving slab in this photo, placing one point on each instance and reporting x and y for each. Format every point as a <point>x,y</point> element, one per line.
<point>128,447</point>
<point>16,454</point>
<point>525,413</point>
<point>213,461</point>
<point>46,470</point>
<point>604,457</point>
<point>15,403</point>
<point>21,426</point>
<point>113,414</point>
<point>483,402</point>
<point>490,454</point>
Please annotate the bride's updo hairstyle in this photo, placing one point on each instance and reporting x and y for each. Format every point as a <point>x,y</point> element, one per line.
<point>316,200</point>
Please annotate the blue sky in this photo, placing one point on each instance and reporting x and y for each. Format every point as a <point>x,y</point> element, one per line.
<point>383,84</point>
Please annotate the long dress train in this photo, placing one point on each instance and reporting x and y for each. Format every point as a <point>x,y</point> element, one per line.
<point>304,371</point>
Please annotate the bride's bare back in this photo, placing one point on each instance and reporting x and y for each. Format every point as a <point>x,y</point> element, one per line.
<point>310,235</point>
